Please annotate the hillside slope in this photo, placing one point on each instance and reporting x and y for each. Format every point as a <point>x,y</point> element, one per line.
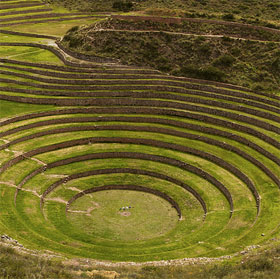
<point>255,10</point>
<point>237,54</point>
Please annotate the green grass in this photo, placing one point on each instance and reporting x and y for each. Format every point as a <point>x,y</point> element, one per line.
<point>52,28</point>
<point>149,216</point>
<point>194,181</point>
<point>5,38</point>
<point>106,164</point>
<point>82,166</point>
<point>29,54</point>
<point>8,109</point>
<point>94,226</point>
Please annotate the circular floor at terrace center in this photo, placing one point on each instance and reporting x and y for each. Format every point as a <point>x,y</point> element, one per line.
<point>122,215</point>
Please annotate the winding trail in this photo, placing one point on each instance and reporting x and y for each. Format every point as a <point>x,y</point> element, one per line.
<point>178,33</point>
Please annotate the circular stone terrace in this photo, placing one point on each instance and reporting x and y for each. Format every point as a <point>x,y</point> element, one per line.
<point>128,164</point>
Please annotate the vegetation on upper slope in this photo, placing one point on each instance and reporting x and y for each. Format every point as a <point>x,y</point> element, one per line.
<point>250,63</point>
<point>256,10</point>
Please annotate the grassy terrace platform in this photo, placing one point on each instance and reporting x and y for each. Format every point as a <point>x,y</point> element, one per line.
<point>113,162</point>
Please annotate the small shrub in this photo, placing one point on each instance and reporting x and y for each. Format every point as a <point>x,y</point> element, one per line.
<point>227,39</point>
<point>235,51</point>
<point>75,42</point>
<point>224,61</point>
<point>228,17</point>
<point>163,64</point>
<point>73,29</point>
<point>236,12</point>
<point>220,271</point>
<point>260,264</point>
<point>202,2</point>
<point>212,73</point>
<point>149,268</point>
<point>87,47</point>
<point>167,37</point>
<point>67,37</point>
<point>205,49</point>
<point>200,39</point>
<point>276,64</point>
<point>209,73</point>
<point>277,250</point>
<point>150,50</point>
<point>123,6</point>
<point>271,25</point>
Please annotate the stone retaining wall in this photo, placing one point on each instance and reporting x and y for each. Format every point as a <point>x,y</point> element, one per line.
<point>148,103</point>
<point>25,11</point>
<point>35,16</point>
<point>141,156</point>
<point>22,5</point>
<point>164,80</point>
<point>154,95</point>
<point>45,20</point>
<point>99,74</point>
<point>123,170</point>
<point>153,130</point>
<point>64,162</point>
<point>200,86</point>
<point>27,34</point>
<point>154,143</point>
<point>130,119</point>
<point>158,111</point>
<point>83,68</point>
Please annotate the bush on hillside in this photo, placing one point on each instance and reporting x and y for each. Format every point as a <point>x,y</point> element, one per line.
<point>228,17</point>
<point>224,60</point>
<point>209,73</point>
<point>260,264</point>
<point>276,64</point>
<point>75,41</point>
<point>73,29</point>
<point>124,6</point>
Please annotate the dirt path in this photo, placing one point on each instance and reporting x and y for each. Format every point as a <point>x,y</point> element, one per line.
<point>86,212</point>
<point>57,199</point>
<point>12,185</point>
<point>180,33</point>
